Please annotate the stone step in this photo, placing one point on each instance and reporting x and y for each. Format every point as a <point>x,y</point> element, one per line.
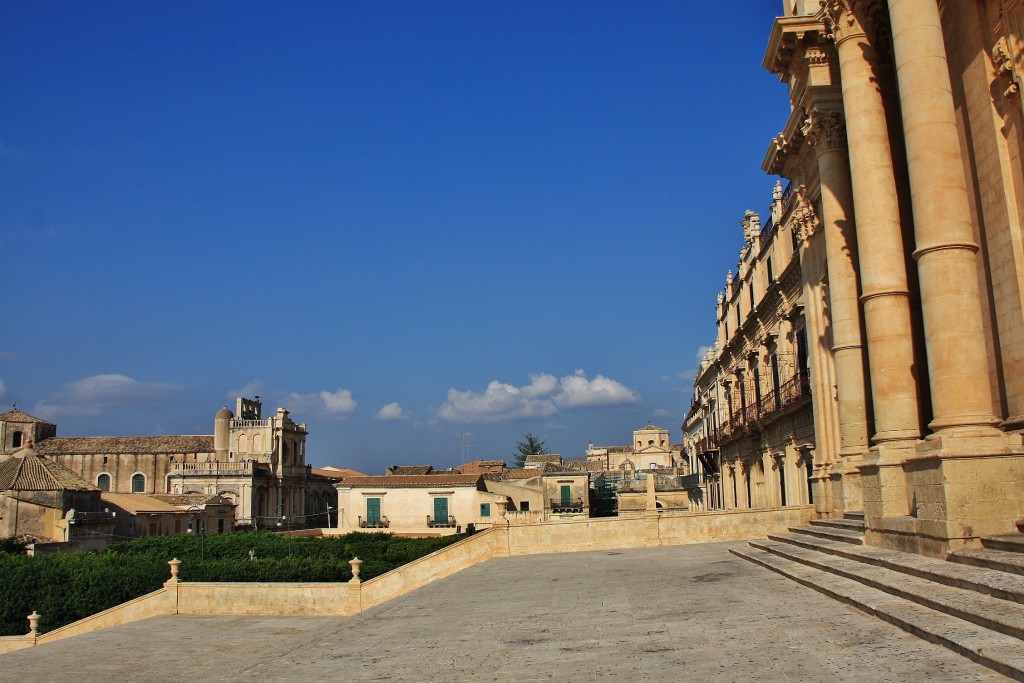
<point>997,651</point>
<point>1013,543</point>
<point>853,515</point>
<point>1003,616</point>
<point>850,524</point>
<point>1001,560</point>
<point>998,584</point>
<point>833,534</point>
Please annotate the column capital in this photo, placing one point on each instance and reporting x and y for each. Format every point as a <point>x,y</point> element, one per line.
<point>825,131</point>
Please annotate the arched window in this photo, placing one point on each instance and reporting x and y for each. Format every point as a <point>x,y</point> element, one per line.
<point>16,439</point>
<point>103,482</point>
<point>138,483</point>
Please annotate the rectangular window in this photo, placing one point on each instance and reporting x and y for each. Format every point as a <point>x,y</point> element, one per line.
<point>485,509</point>
<point>524,506</point>
<point>566,496</point>
<point>220,526</point>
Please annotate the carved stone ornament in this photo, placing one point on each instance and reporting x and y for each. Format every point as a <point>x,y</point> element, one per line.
<point>840,22</point>
<point>825,131</point>
<point>1006,75</point>
<point>805,217</point>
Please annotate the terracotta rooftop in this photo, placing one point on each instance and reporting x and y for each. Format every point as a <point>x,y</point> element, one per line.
<point>336,472</point>
<point>68,445</point>
<point>18,416</point>
<point>406,470</point>
<point>480,466</point>
<point>413,481</point>
<point>524,473</point>
<point>135,503</point>
<point>26,470</point>
<point>186,499</point>
<point>547,457</point>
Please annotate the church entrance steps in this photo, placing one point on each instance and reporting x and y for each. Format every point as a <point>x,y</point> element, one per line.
<point>859,516</point>
<point>1002,553</point>
<point>991,582</point>
<point>974,610</point>
<point>848,524</point>
<point>994,649</point>
<point>831,533</point>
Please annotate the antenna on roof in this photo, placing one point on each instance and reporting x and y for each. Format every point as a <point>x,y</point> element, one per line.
<point>464,444</point>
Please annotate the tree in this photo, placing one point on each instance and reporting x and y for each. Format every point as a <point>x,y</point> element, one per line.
<point>534,445</point>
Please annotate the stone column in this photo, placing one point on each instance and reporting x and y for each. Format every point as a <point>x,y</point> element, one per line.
<point>950,297</point>
<point>881,259</point>
<point>825,132</point>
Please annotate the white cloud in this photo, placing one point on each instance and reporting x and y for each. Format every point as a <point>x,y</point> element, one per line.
<point>392,411</point>
<point>544,396</point>
<point>248,390</point>
<point>577,391</point>
<point>325,403</point>
<point>661,412</point>
<point>94,395</point>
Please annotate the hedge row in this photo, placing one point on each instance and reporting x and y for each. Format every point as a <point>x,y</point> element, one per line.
<point>67,587</point>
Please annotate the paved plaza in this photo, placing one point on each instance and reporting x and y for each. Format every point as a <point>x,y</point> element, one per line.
<point>689,613</point>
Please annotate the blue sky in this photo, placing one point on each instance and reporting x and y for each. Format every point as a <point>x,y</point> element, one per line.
<point>404,221</point>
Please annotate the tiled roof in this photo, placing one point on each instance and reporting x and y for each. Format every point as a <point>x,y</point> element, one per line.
<point>548,457</point>
<point>135,503</point>
<point>186,499</point>
<point>18,416</point>
<point>480,466</point>
<point>68,445</point>
<point>582,465</point>
<point>413,481</point>
<point>406,470</point>
<point>648,427</point>
<point>336,472</point>
<point>523,473</point>
<point>27,471</point>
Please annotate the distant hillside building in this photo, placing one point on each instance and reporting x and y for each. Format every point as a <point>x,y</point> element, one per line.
<point>259,464</point>
<point>651,449</point>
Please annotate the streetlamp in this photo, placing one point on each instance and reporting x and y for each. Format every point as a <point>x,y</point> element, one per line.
<point>195,511</point>
<point>329,508</point>
<point>281,521</point>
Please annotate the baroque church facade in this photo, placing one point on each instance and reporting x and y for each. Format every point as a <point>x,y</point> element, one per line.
<point>904,209</point>
<point>257,463</point>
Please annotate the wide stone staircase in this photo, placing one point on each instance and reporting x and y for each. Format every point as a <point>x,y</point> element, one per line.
<point>972,603</point>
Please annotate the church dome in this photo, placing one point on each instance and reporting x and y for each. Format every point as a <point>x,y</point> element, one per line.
<point>224,414</point>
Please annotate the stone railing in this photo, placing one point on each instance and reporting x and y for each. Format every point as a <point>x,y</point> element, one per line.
<point>349,598</point>
<point>238,422</point>
<point>218,467</point>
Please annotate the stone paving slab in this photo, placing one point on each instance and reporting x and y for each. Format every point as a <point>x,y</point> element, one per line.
<point>667,614</point>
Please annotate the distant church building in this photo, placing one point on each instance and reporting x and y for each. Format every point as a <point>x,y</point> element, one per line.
<point>257,463</point>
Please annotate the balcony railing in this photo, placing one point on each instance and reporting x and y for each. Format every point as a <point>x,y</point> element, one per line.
<point>558,505</point>
<point>791,391</point>
<point>435,523</point>
<point>382,523</point>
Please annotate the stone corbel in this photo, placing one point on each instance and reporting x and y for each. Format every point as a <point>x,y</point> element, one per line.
<point>1006,75</point>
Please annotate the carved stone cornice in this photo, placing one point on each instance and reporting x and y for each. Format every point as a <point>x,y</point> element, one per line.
<point>790,35</point>
<point>825,131</point>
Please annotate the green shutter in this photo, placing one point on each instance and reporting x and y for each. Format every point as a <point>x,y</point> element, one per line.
<point>440,510</point>
<point>373,510</point>
<point>566,496</point>
<point>485,509</point>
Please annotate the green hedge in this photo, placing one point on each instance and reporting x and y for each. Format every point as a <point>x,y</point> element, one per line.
<point>67,587</point>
